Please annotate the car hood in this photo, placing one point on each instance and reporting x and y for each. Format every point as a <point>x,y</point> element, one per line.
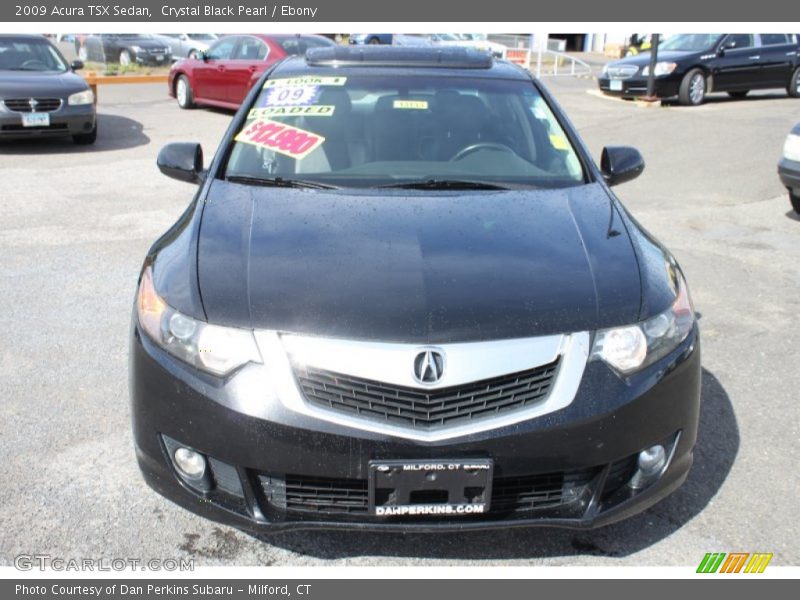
<point>416,267</point>
<point>16,84</point>
<point>644,58</point>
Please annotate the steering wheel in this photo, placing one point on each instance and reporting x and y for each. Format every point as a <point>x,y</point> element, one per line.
<point>466,151</point>
<point>33,63</point>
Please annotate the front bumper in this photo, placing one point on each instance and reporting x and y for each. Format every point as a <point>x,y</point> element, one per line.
<point>789,172</point>
<point>588,449</point>
<point>66,121</point>
<point>665,87</point>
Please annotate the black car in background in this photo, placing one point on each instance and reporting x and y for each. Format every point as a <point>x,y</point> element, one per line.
<point>690,66</point>
<point>40,93</point>
<point>126,49</point>
<point>405,297</point>
<point>789,167</point>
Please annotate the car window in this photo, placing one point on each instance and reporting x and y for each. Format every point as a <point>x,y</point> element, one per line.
<point>222,50</point>
<point>30,55</point>
<point>251,49</point>
<point>770,39</point>
<point>690,42</point>
<point>295,46</point>
<point>736,41</point>
<point>365,130</point>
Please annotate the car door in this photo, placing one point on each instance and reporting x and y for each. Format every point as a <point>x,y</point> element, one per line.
<point>249,60</point>
<point>210,76</point>
<point>738,66</point>
<point>778,53</point>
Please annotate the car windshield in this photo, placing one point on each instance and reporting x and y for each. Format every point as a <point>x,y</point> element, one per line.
<point>364,131</point>
<point>30,55</point>
<point>694,42</point>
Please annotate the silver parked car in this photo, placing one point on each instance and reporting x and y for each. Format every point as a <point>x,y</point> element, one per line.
<point>188,44</point>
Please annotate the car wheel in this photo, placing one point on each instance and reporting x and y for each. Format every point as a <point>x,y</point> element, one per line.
<point>795,200</point>
<point>124,58</point>
<point>374,40</point>
<point>83,54</point>
<point>183,92</point>
<point>84,139</point>
<point>739,94</point>
<point>794,84</point>
<point>693,88</point>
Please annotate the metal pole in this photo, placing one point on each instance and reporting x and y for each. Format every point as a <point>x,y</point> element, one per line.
<point>651,77</point>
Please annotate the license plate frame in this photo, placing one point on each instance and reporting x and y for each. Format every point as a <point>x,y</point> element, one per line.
<point>615,85</point>
<point>35,119</point>
<point>415,488</point>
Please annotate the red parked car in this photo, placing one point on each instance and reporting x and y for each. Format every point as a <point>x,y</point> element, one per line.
<point>224,73</point>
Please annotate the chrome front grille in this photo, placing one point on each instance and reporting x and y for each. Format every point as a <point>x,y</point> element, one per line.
<point>622,72</point>
<point>426,409</point>
<point>26,105</point>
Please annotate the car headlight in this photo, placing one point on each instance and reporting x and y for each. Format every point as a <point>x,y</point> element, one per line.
<point>79,98</point>
<point>605,69</point>
<point>662,68</point>
<point>212,348</point>
<point>136,49</point>
<point>791,149</point>
<point>633,347</point>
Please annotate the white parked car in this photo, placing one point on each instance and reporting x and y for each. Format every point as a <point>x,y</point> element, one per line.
<point>479,41</point>
<point>190,45</point>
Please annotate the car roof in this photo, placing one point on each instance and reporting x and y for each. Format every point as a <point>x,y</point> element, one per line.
<point>23,36</point>
<point>374,60</point>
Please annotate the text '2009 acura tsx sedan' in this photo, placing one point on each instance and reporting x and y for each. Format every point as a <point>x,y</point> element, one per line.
<point>404,297</point>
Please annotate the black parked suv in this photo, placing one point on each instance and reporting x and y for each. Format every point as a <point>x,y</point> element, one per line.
<point>405,297</point>
<point>692,65</point>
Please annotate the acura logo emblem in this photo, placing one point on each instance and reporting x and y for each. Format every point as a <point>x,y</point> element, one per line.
<point>33,103</point>
<point>428,366</point>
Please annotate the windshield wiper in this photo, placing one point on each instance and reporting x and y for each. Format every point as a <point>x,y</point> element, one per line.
<point>279,182</point>
<point>445,184</point>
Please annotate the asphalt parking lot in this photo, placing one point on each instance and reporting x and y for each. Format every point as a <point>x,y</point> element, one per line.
<point>75,223</point>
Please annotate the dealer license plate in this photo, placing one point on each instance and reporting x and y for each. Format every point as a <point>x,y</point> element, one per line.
<point>430,488</point>
<point>615,85</point>
<point>36,120</point>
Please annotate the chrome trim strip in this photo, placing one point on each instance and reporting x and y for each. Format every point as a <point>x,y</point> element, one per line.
<point>393,363</point>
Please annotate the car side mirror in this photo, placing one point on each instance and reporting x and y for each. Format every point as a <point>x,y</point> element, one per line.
<point>620,164</point>
<point>182,161</point>
<point>76,65</point>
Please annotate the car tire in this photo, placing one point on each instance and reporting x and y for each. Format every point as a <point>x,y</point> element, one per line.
<point>124,58</point>
<point>183,92</point>
<point>373,40</point>
<point>795,200</point>
<point>693,88</point>
<point>739,94</point>
<point>85,139</point>
<point>794,84</point>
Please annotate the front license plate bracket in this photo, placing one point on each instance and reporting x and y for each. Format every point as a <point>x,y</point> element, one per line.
<point>430,488</point>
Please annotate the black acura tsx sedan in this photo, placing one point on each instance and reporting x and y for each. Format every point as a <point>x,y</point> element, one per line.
<point>405,297</point>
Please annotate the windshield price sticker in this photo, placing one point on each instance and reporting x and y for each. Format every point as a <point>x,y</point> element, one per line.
<point>297,95</point>
<point>317,110</point>
<point>308,80</point>
<point>281,138</point>
<point>410,104</point>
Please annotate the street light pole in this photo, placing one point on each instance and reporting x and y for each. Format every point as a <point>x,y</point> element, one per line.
<point>651,77</point>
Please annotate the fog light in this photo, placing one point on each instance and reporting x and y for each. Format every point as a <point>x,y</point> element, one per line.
<point>192,464</point>
<point>650,463</point>
<point>652,459</point>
